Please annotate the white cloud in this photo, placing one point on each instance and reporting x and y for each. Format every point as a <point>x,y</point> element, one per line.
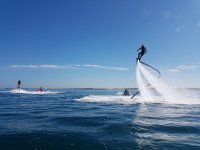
<point>173,70</point>
<point>105,67</point>
<point>179,28</point>
<point>184,68</point>
<point>50,66</point>
<point>42,67</point>
<point>23,66</point>
<point>70,66</point>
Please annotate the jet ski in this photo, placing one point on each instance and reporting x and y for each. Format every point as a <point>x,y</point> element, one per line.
<point>126,93</point>
<point>40,90</point>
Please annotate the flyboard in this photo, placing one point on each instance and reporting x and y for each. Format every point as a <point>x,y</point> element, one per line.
<point>159,74</point>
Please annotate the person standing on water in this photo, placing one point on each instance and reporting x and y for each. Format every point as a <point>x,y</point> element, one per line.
<point>41,89</point>
<point>143,51</point>
<point>19,84</point>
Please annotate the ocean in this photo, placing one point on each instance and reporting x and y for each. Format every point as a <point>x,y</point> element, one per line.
<point>94,119</point>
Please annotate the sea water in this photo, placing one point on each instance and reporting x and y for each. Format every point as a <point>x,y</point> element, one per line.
<point>83,119</point>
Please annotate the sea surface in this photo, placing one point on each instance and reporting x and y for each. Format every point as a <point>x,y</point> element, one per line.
<point>94,119</point>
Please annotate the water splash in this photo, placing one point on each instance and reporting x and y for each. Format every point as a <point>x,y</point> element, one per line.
<point>22,91</point>
<point>167,93</point>
<point>145,93</point>
<point>113,99</point>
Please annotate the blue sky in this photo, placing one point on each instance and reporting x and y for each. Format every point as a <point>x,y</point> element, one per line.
<point>93,43</point>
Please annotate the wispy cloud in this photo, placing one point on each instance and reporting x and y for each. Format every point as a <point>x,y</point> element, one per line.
<point>42,67</point>
<point>166,14</point>
<point>100,67</point>
<point>179,28</point>
<point>105,67</point>
<point>70,66</point>
<point>173,70</point>
<point>23,66</point>
<point>184,68</point>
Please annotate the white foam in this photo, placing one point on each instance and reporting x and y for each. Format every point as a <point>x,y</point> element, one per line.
<point>108,99</point>
<point>167,93</point>
<point>145,92</point>
<point>126,100</point>
<point>120,93</point>
<point>22,91</point>
<point>119,99</point>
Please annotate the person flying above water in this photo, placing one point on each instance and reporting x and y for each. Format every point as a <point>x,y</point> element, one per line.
<point>19,84</point>
<point>143,51</point>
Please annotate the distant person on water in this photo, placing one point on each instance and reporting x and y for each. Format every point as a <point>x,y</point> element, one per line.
<point>19,84</point>
<point>41,89</point>
<point>126,93</point>
<point>143,51</point>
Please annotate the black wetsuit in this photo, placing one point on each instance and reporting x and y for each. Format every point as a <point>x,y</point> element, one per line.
<point>19,84</point>
<point>126,93</point>
<point>143,51</point>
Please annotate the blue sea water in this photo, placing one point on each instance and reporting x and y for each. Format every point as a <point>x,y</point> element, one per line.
<point>84,119</point>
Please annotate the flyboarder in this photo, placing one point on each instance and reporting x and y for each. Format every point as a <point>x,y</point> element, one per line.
<point>143,51</point>
<point>40,89</point>
<point>19,84</point>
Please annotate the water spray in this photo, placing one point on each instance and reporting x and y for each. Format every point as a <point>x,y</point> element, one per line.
<point>149,66</point>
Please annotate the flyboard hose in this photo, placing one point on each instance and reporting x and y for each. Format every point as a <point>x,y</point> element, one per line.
<point>159,75</point>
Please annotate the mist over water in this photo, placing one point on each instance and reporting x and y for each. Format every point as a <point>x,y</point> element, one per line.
<point>167,94</point>
<point>145,93</point>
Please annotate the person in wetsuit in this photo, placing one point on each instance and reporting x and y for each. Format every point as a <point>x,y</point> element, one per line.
<point>126,93</point>
<point>19,84</point>
<point>41,89</point>
<point>142,50</point>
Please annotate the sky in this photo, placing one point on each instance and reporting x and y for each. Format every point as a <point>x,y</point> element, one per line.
<point>93,43</point>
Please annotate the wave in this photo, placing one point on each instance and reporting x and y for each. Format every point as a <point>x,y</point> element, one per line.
<point>137,99</point>
<point>108,99</point>
<point>22,91</point>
